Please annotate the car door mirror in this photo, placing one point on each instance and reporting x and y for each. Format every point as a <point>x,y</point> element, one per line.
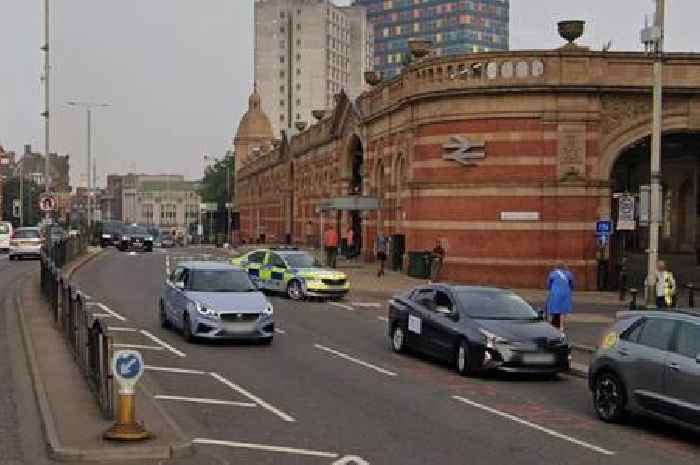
<point>180,285</point>
<point>443,310</point>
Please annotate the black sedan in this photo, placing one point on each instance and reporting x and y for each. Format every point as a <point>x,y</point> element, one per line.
<point>135,237</point>
<point>477,329</point>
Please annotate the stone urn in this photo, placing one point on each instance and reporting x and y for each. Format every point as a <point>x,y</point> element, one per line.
<point>420,48</point>
<point>372,78</point>
<point>318,114</point>
<point>571,30</point>
<point>300,125</point>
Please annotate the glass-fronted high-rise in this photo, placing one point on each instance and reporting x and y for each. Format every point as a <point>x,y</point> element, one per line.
<point>454,26</point>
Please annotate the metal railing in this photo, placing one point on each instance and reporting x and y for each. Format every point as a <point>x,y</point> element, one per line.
<point>79,321</point>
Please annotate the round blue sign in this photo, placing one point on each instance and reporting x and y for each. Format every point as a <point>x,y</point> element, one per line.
<point>128,366</point>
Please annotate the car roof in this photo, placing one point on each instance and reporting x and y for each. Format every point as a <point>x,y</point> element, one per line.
<point>464,288</point>
<point>676,314</point>
<point>204,265</point>
<point>27,228</point>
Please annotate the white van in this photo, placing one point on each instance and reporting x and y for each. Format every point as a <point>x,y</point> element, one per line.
<point>5,235</point>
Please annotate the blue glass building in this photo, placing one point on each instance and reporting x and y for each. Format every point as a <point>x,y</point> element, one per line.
<point>454,26</point>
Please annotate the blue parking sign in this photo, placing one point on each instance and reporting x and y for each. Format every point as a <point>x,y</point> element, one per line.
<point>603,227</point>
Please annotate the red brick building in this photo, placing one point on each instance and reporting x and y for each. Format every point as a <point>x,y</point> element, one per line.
<point>509,158</point>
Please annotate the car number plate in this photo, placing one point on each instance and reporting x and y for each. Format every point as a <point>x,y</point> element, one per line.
<point>538,359</point>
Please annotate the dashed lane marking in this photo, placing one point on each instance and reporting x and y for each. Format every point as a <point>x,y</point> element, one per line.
<point>280,331</point>
<point>339,305</point>
<point>254,398</point>
<point>122,329</point>
<point>200,400</point>
<point>355,360</point>
<point>163,344</point>
<point>264,447</point>
<point>106,309</point>
<point>174,370</point>
<point>367,304</point>
<point>534,426</point>
<point>136,346</point>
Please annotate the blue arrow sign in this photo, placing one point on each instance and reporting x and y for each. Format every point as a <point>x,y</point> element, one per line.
<point>128,366</point>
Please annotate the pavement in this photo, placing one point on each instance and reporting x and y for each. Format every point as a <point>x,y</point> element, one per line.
<point>330,391</point>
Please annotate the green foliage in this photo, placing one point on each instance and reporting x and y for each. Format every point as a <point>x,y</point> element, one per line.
<point>213,187</point>
<point>32,191</point>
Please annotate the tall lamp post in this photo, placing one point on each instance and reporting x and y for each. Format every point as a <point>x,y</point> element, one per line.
<point>653,38</point>
<point>90,173</point>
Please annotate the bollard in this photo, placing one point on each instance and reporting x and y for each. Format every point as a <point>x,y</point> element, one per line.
<point>127,368</point>
<point>633,302</point>
<point>691,295</point>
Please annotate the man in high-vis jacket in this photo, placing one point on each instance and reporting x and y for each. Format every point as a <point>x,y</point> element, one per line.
<point>665,286</point>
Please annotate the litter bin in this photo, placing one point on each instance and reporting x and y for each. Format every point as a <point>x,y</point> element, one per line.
<point>398,249</point>
<point>419,264</point>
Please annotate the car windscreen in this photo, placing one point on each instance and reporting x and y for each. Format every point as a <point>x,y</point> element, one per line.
<point>4,228</point>
<point>111,228</point>
<point>138,230</point>
<point>300,260</point>
<point>27,234</point>
<point>220,281</point>
<point>495,305</point>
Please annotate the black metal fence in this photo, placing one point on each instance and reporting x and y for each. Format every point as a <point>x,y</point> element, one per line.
<point>87,336</point>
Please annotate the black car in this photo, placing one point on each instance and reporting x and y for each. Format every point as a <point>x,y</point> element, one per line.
<point>135,237</point>
<point>477,329</point>
<point>110,233</point>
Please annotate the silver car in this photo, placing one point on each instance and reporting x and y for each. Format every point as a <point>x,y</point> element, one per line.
<point>649,362</point>
<point>213,300</point>
<point>25,242</point>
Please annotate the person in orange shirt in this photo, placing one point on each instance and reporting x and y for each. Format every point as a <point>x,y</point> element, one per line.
<point>330,242</point>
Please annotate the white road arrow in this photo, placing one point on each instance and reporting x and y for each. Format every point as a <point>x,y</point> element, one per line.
<point>350,460</point>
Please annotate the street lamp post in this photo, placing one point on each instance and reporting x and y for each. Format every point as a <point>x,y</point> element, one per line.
<point>88,109</point>
<point>45,113</point>
<point>654,39</point>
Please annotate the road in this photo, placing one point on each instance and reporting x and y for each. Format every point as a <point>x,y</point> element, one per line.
<point>329,389</point>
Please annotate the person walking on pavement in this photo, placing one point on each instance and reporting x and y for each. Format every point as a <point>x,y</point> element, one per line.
<point>330,242</point>
<point>350,235</point>
<point>665,286</point>
<point>437,258</point>
<point>382,248</point>
<point>560,285</point>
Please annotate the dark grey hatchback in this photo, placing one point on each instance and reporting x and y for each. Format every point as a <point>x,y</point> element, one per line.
<point>649,362</point>
<point>478,329</point>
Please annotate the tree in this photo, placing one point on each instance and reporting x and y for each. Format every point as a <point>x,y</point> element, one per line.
<point>31,193</point>
<point>217,187</point>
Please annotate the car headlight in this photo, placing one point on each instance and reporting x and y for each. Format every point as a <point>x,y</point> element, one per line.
<point>149,238</point>
<point>204,311</point>
<point>492,339</point>
<point>125,238</point>
<point>106,236</point>
<point>269,309</point>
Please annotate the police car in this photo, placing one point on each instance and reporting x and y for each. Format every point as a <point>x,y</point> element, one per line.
<point>294,272</point>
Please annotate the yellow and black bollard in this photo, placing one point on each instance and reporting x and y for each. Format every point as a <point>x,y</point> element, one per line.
<point>127,367</point>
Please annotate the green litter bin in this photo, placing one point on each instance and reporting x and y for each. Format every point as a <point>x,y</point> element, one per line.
<point>419,264</point>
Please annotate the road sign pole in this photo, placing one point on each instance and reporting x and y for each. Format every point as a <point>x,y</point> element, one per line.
<point>127,368</point>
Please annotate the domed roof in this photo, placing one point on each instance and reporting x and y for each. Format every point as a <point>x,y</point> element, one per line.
<point>254,124</point>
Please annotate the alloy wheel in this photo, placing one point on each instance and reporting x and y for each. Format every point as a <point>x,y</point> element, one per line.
<point>608,398</point>
<point>397,339</point>
<point>294,290</point>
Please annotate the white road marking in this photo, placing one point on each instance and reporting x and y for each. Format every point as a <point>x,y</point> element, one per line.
<point>106,309</point>
<point>350,460</point>
<point>163,344</point>
<point>355,360</point>
<point>254,398</point>
<point>174,370</point>
<point>246,445</point>
<point>367,304</point>
<point>122,329</point>
<point>383,318</point>
<point>132,253</point>
<point>542,429</point>
<point>200,400</point>
<point>339,305</point>
<point>280,331</point>
<point>102,315</point>
<point>136,346</point>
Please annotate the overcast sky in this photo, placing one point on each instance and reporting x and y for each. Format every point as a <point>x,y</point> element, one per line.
<point>178,72</point>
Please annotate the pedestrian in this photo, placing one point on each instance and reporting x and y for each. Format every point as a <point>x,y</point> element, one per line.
<point>309,232</point>
<point>437,258</point>
<point>382,247</point>
<point>330,242</point>
<point>560,285</point>
<point>350,235</point>
<point>665,286</point>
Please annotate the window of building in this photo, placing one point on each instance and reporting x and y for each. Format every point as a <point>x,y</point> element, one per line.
<point>298,102</point>
<point>282,102</point>
<point>282,14</point>
<point>281,89</point>
<point>282,59</point>
<point>298,117</point>
<point>282,30</point>
<point>281,74</point>
<point>299,27</point>
<point>281,117</point>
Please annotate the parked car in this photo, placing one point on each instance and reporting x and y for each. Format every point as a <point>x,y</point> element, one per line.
<point>135,237</point>
<point>25,242</point>
<point>649,363</point>
<point>167,241</point>
<point>293,272</point>
<point>477,329</point>
<point>213,300</point>
<point>110,233</point>
<point>5,235</point>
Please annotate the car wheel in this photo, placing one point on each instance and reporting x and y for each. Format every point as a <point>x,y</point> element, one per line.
<point>266,341</point>
<point>398,339</point>
<point>12,257</point>
<point>163,316</point>
<point>187,329</point>
<point>294,290</point>
<point>609,398</point>
<point>464,359</point>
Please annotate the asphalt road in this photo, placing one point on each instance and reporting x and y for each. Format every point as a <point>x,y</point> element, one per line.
<point>329,388</point>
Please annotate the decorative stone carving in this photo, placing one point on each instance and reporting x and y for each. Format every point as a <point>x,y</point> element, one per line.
<point>620,110</point>
<point>572,152</point>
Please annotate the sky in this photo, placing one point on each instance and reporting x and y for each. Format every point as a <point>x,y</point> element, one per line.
<point>178,73</point>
